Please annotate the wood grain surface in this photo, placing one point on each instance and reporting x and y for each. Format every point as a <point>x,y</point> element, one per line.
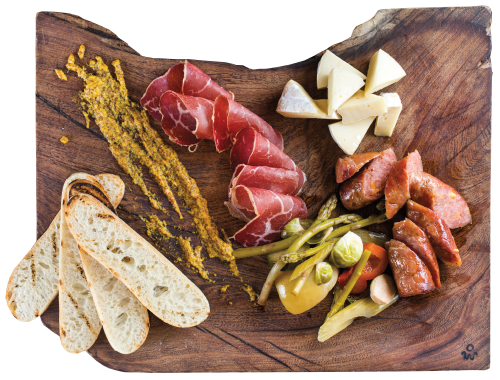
<point>446,115</point>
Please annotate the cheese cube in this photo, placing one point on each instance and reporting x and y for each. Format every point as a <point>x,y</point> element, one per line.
<point>327,63</point>
<point>323,105</point>
<point>360,107</point>
<point>386,122</point>
<point>342,84</point>
<point>348,137</point>
<point>382,72</point>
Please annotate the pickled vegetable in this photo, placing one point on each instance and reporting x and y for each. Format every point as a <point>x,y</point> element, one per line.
<point>310,263</point>
<point>371,237</point>
<point>273,257</point>
<point>323,273</point>
<point>294,226</point>
<point>347,251</point>
<point>382,289</point>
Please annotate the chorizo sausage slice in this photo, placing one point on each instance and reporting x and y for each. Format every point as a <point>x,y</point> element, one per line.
<point>348,166</point>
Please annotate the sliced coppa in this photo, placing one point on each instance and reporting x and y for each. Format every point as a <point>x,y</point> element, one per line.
<point>397,189</point>
<point>279,180</point>
<point>411,275</point>
<point>436,230</point>
<point>230,117</point>
<point>348,166</point>
<point>267,213</point>
<point>415,239</point>
<point>251,148</point>
<point>368,184</point>
<point>197,83</point>
<point>445,201</point>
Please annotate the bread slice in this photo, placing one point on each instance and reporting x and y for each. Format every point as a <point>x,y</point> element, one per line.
<point>156,282</point>
<point>34,283</point>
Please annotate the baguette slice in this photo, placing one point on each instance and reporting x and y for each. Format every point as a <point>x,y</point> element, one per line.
<point>34,283</point>
<point>156,282</point>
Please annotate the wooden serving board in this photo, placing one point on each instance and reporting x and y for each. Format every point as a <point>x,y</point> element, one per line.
<point>446,115</point>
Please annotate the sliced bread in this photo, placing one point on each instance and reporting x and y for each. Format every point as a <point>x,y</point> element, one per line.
<point>156,282</point>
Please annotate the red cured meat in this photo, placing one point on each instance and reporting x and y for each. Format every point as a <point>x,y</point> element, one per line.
<point>267,213</point>
<point>251,148</point>
<point>414,238</point>
<point>197,83</point>
<point>230,117</point>
<point>186,119</point>
<point>436,230</point>
<point>397,189</point>
<point>445,201</point>
<point>368,184</point>
<point>278,180</point>
<point>410,273</point>
<point>348,166</point>
<point>170,81</point>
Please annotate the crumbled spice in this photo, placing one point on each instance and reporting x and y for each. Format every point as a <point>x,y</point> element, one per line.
<point>64,139</point>
<point>87,120</point>
<point>192,258</point>
<point>156,228</point>
<point>71,58</point>
<point>249,289</point>
<point>224,288</point>
<point>81,51</point>
<point>60,74</point>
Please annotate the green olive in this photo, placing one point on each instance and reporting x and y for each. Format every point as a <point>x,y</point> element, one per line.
<point>324,273</point>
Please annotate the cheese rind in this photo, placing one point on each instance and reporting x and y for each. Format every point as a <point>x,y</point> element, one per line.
<point>323,105</point>
<point>342,84</point>
<point>348,137</point>
<point>360,107</point>
<point>327,63</point>
<point>382,72</point>
<point>386,122</point>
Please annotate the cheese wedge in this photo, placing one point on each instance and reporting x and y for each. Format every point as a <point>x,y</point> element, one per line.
<point>327,63</point>
<point>382,72</point>
<point>360,107</point>
<point>323,105</point>
<point>342,84</point>
<point>295,102</point>
<point>348,137</point>
<point>386,122</point>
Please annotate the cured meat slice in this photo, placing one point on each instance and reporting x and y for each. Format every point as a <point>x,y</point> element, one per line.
<point>436,230</point>
<point>197,83</point>
<point>251,148</point>
<point>186,119</point>
<point>278,180</point>
<point>348,166</point>
<point>397,189</point>
<point>445,201</point>
<point>267,213</point>
<point>368,184</point>
<point>410,273</point>
<point>170,81</point>
<point>415,239</point>
<point>230,117</point>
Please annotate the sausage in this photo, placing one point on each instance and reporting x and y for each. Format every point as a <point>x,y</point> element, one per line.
<point>348,166</point>
<point>368,184</point>
<point>397,189</point>
<point>445,201</point>
<point>414,238</point>
<point>436,230</point>
<point>410,273</point>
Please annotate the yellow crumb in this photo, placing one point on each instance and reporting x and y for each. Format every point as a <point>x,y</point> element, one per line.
<point>60,74</point>
<point>224,288</point>
<point>71,58</point>
<point>86,118</point>
<point>64,139</point>
<point>81,51</point>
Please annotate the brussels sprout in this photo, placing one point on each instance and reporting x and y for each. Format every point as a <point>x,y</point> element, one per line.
<point>347,251</point>
<point>295,226</point>
<point>324,273</point>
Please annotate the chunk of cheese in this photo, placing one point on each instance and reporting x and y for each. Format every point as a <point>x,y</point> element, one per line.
<point>327,63</point>
<point>323,105</point>
<point>360,107</point>
<point>342,84</point>
<point>295,102</point>
<point>386,122</point>
<point>348,137</point>
<point>382,72</point>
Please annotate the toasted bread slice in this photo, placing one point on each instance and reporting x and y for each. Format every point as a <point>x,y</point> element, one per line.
<point>155,281</point>
<point>34,283</point>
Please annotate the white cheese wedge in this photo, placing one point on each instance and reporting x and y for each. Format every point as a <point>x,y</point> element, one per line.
<point>295,102</point>
<point>327,63</point>
<point>360,107</point>
<point>382,72</point>
<point>323,105</point>
<point>342,84</point>
<point>348,137</point>
<point>386,122</point>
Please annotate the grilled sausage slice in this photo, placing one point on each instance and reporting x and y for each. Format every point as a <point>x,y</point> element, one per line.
<point>348,166</point>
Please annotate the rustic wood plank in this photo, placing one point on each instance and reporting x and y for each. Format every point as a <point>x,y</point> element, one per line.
<point>446,116</point>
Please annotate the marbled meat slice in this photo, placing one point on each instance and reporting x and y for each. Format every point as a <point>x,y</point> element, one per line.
<point>197,83</point>
<point>397,189</point>
<point>230,117</point>
<point>411,275</point>
<point>445,201</point>
<point>436,230</point>
<point>348,166</point>
<point>368,184</point>
<point>267,213</point>
<point>415,239</point>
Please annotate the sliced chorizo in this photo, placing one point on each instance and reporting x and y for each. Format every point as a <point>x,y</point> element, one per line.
<point>346,167</point>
